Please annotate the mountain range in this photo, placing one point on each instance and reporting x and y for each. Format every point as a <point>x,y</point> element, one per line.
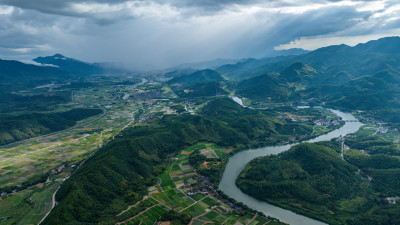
<point>15,75</point>
<point>364,77</point>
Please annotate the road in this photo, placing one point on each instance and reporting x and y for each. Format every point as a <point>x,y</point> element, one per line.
<point>377,130</point>
<point>53,204</point>
<point>342,152</point>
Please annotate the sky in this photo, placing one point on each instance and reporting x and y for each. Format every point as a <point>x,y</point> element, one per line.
<point>156,34</point>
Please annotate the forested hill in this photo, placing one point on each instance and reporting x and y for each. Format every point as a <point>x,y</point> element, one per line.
<point>16,75</point>
<point>121,171</point>
<point>16,128</point>
<point>206,75</point>
<point>313,180</point>
<point>70,65</point>
<point>337,61</point>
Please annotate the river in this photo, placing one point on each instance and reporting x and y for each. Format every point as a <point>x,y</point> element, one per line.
<point>237,163</point>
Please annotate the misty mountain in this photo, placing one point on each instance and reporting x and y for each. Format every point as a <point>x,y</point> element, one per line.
<point>209,64</point>
<point>254,67</point>
<point>287,52</point>
<point>333,64</point>
<point>70,65</point>
<point>197,77</point>
<point>18,75</point>
<point>352,62</point>
<point>178,72</point>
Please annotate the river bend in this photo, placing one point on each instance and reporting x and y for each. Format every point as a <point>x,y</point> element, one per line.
<point>238,162</point>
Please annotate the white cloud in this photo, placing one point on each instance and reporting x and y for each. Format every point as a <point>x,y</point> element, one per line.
<point>6,10</point>
<point>313,43</point>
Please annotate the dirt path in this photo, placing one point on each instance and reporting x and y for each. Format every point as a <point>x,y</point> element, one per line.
<point>195,202</point>
<point>136,215</point>
<point>161,202</point>
<point>197,218</point>
<point>131,206</point>
<point>255,216</point>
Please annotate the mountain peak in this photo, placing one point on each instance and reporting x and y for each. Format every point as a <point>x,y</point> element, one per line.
<point>58,55</point>
<point>298,71</point>
<point>69,64</point>
<point>198,77</point>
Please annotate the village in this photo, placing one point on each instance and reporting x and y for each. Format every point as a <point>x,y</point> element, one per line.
<point>183,189</point>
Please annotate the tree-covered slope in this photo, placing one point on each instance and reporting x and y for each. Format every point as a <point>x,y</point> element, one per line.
<point>70,65</point>
<point>120,172</point>
<point>10,103</point>
<point>15,75</point>
<point>297,72</point>
<point>16,128</point>
<point>371,92</point>
<point>332,65</point>
<point>264,86</point>
<point>313,179</point>
<point>197,77</point>
<point>205,89</point>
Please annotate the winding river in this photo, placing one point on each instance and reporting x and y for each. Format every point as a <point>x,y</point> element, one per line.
<point>238,162</point>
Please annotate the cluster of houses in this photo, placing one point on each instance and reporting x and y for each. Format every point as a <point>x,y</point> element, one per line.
<point>200,185</point>
<point>392,200</point>
<point>369,119</point>
<point>58,170</point>
<point>204,186</point>
<point>149,118</point>
<point>383,130</point>
<point>327,122</point>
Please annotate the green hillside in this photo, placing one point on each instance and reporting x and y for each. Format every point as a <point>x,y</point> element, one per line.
<point>70,65</point>
<point>264,86</point>
<point>120,172</point>
<point>205,89</point>
<point>15,75</point>
<point>197,77</point>
<point>312,179</point>
<point>297,72</point>
<point>16,128</point>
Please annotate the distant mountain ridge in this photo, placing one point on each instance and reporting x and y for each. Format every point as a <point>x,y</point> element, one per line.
<point>339,61</point>
<point>18,75</point>
<point>197,77</point>
<point>70,65</point>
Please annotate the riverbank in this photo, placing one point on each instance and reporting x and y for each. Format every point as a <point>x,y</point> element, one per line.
<point>238,162</point>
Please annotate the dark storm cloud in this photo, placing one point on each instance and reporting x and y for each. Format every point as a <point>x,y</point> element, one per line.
<point>159,33</point>
<point>45,6</point>
<point>64,7</point>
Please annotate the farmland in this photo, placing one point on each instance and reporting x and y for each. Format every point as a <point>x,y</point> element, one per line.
<point>181,189</point>
<point>30,205</point>
<point>26,163</point>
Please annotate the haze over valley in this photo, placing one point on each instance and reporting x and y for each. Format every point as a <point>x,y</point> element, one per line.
<point>178,112</point>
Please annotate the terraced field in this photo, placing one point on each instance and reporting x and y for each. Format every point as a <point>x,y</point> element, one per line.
<point>175,191</point>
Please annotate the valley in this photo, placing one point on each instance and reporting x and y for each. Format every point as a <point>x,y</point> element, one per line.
<point>183,190</point>
<point>116,147</point>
